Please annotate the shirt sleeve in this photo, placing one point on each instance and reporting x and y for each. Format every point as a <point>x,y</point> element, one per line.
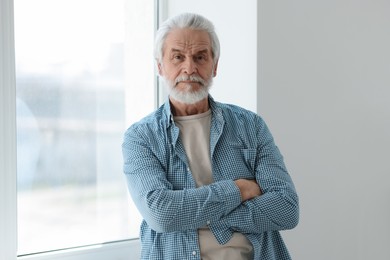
<point>163,208</point>
<point>278,207</point>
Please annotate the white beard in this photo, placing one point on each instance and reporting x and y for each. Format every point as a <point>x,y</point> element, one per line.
<point>188,95</point>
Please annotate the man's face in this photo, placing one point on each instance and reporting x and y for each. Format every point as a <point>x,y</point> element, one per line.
<point>187,65</point>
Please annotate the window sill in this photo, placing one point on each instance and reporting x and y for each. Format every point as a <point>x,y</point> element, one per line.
<point>128,249</point>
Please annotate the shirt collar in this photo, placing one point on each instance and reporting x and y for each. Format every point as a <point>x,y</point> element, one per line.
<point>168,116</point>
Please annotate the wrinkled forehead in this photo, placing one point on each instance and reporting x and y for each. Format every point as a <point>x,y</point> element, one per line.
<point>187,40</point>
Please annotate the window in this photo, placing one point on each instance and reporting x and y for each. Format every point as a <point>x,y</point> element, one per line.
<point>96,125</point>
<point>84,73</point>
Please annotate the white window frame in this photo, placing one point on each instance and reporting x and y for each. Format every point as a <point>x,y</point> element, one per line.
<point>128,249</point>
<point>8,192</point>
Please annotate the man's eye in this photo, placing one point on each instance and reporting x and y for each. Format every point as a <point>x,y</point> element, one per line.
<point>177,57</point>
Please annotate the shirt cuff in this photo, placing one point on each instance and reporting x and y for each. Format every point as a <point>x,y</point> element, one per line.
<point>222,232</point>
<point>232,195</point>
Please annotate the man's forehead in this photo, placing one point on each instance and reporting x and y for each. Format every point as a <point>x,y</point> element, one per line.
<point>183,39</point>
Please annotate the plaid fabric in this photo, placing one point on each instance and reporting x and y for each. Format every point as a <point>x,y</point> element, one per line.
<point>162,187</point>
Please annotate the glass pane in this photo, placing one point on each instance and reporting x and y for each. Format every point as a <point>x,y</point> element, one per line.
<point>70,123</point>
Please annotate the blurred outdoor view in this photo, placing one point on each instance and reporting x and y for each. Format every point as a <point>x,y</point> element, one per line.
<point>70,124</point>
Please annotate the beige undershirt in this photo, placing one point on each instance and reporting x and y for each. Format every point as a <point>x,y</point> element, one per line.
<point>195,136</point>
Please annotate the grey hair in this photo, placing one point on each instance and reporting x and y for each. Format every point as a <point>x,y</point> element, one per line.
<point>182,21</point>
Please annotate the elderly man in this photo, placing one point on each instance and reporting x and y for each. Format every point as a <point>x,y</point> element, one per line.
<point>206,177</point>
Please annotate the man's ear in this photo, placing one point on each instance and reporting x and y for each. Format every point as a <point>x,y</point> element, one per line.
<point>159,67</point>
<point>215,69</point>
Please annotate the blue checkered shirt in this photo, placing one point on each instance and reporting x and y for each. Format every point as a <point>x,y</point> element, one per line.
<point>173,208</point>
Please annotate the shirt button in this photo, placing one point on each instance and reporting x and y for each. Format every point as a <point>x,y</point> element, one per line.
<point>193,252</point>
<point>188,169</point>
<point>208,222</point>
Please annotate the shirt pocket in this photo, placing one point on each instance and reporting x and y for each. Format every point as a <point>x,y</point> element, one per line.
<point>237,163</point>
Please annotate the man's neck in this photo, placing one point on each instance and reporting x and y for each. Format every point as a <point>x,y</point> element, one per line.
<point>182,109</point>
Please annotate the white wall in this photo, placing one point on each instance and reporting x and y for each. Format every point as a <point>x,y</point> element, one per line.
<point>237,78</point>
<point>324,91</point>
<point>321,80</point>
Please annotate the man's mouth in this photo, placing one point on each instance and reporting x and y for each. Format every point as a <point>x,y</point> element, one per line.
<point>190,80</point>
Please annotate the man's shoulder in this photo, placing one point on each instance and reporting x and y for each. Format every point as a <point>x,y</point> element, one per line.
<point>150,122</point>
<point>235,110</point>
<point>237,116</point>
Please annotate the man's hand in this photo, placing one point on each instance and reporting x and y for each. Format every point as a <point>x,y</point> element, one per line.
<point>248,189</point>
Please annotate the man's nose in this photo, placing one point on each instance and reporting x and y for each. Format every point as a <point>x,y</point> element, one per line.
<point>189,66</point>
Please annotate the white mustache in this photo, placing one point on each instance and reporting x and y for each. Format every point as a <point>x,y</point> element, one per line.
<point>193,78</point>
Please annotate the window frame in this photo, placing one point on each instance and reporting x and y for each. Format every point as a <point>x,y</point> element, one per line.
<point>8,158</point>
<point>8,191</point>
<point>121,250</point>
